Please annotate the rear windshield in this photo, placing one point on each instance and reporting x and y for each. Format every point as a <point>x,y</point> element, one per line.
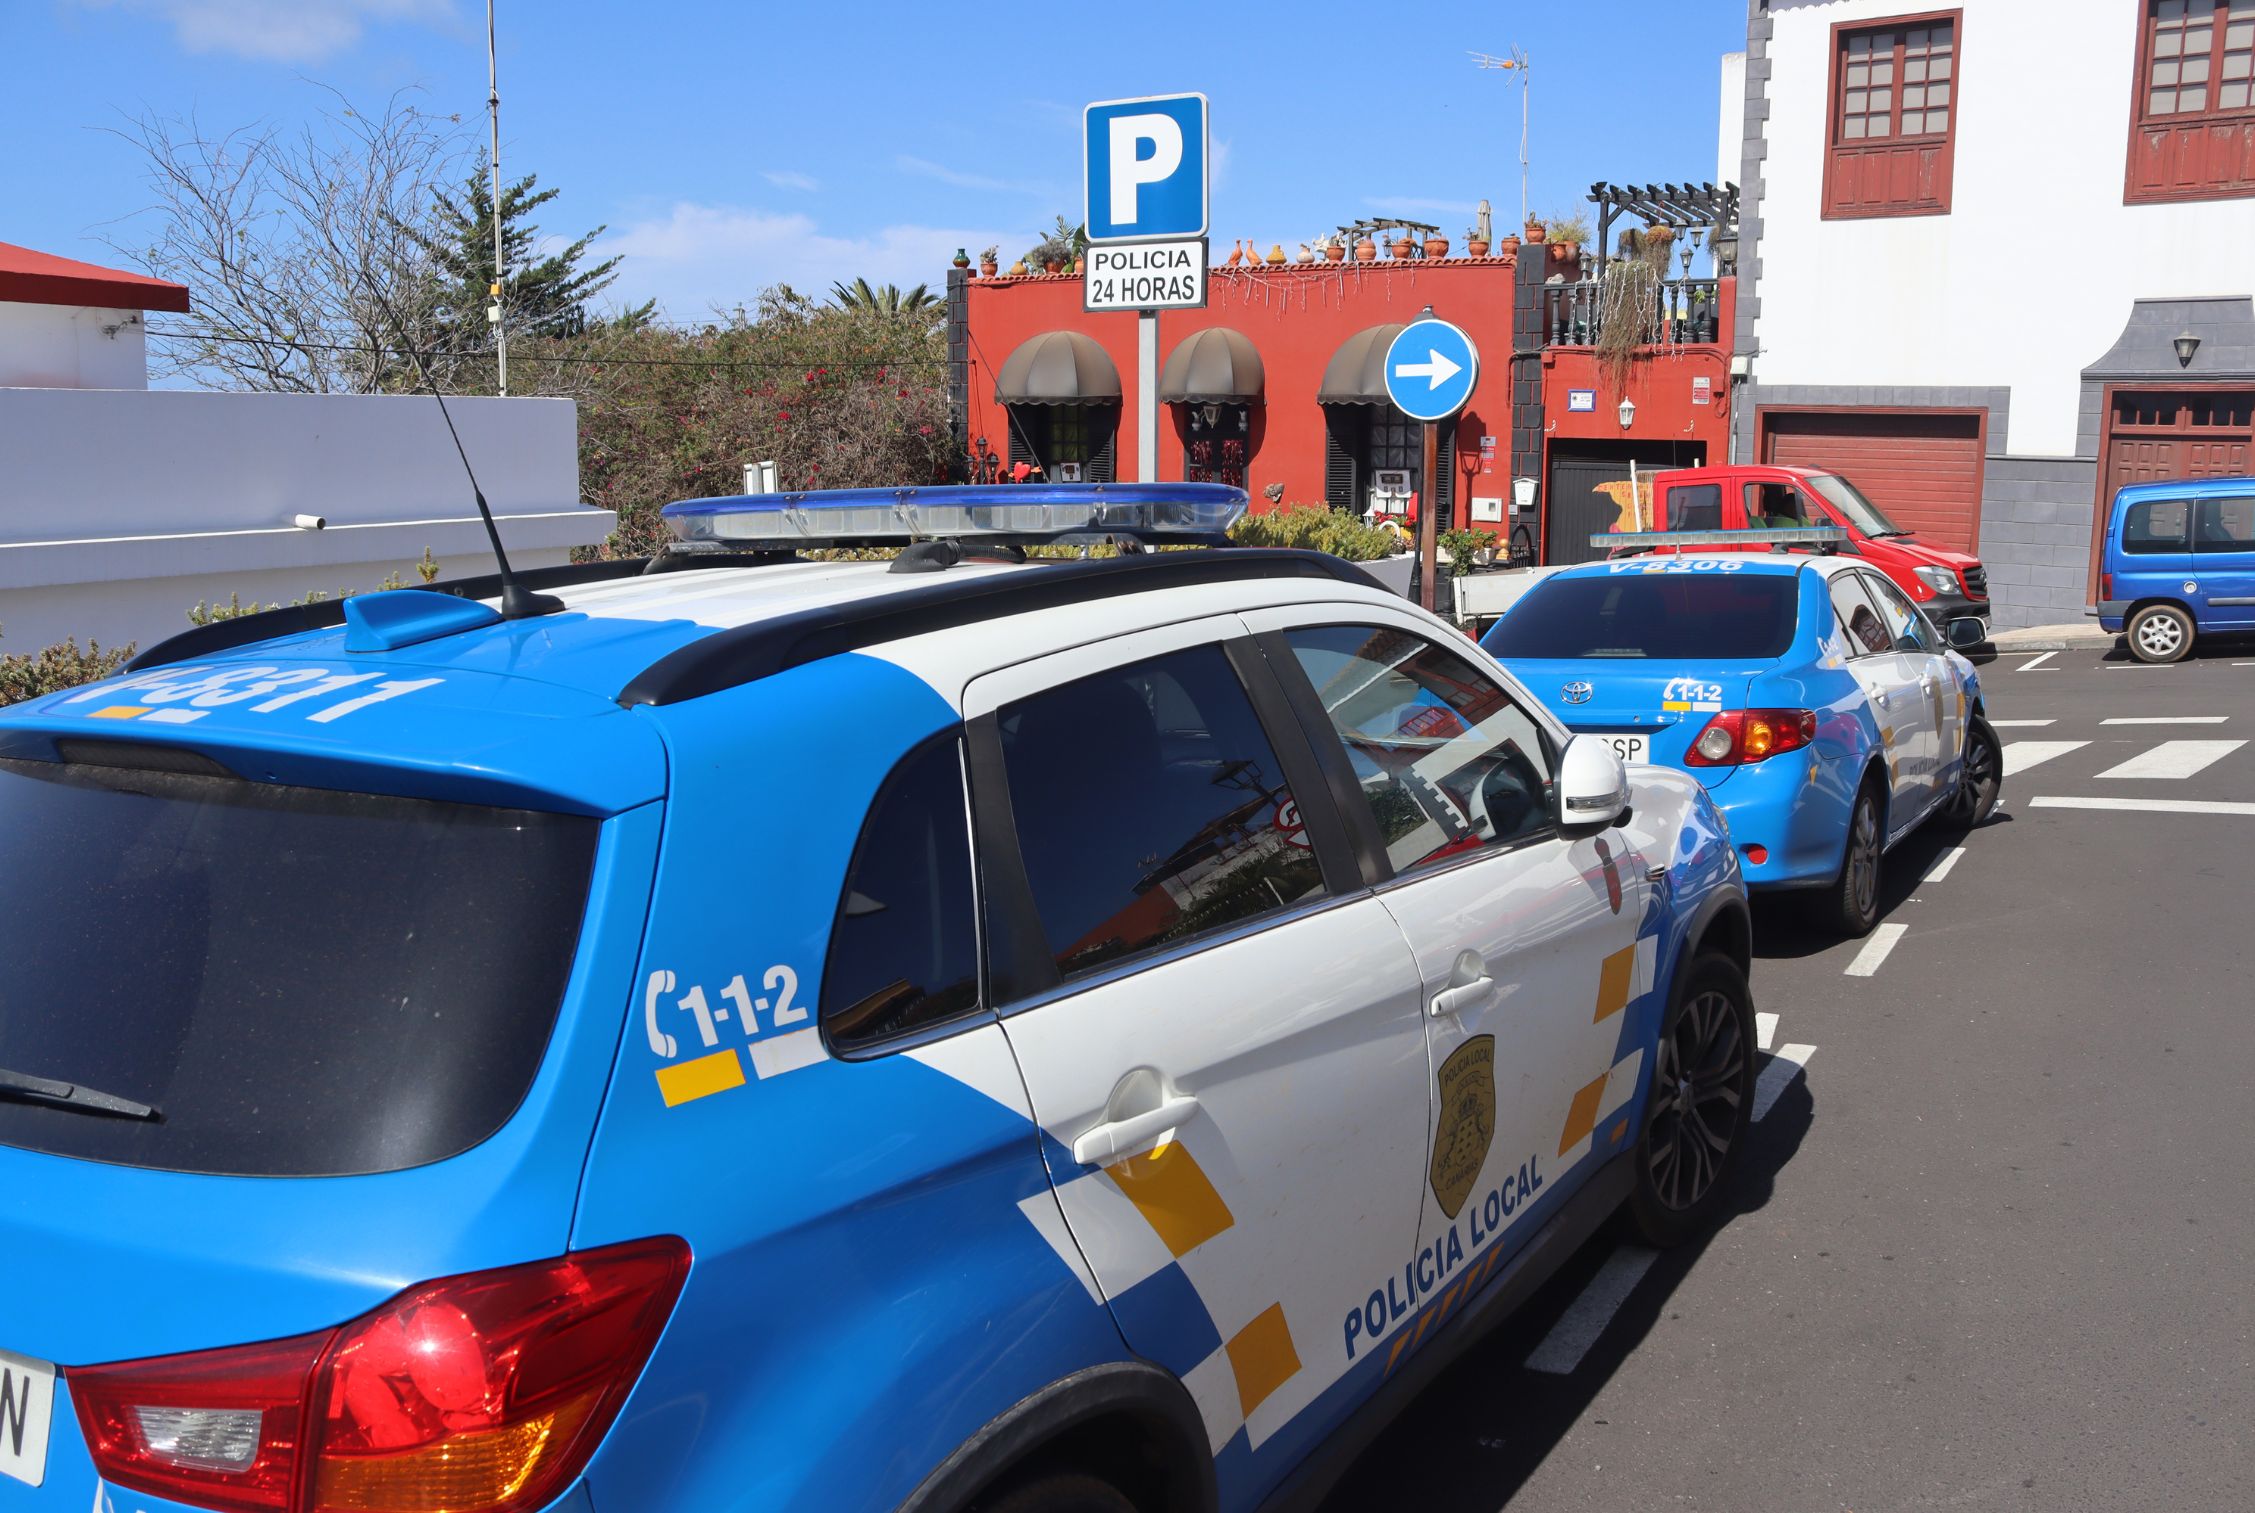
<point>299,982</point>
<point>1673,616</point>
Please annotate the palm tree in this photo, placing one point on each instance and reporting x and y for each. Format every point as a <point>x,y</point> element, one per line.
<point>883,299</point>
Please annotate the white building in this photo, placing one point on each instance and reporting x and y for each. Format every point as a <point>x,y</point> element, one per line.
<point>121,507</point>
<point>1997,259</point>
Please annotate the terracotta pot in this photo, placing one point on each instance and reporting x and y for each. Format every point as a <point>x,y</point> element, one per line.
<point>1509,246</point>
<point>1403,246</point>
<point>1080,265</point>
<point>988,270</point>
<point>1366,251</point>
<point>1336,252</point>
<point>1051,265</point>
<point>1436,246</point>
<point>1534,231</point>
<point>1475,248</point>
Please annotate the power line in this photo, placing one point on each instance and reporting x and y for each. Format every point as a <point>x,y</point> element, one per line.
<point>765,365</point>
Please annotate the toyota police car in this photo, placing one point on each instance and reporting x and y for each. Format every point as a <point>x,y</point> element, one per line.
<point>783,1034</point>
<point>1816,703</point>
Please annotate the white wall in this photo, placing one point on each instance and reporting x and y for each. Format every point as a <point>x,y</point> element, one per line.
<point>72,347</point>
<point>119,510</point>
<point>2030,277</point>
<point>1730,126</point>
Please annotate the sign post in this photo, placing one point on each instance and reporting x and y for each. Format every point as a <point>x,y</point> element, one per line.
<point>1431,368</point>
<point>1144,175</point>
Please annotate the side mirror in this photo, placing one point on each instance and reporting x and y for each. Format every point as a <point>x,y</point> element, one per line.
<point>1964,635</point>
<point>1593,786</point>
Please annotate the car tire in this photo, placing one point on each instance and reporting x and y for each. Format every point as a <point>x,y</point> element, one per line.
<point>1057,1492</point>
<point>1700,1105</point>
<point>2160,633</point>
<point>1980,779</point>
<point>1851,904</point>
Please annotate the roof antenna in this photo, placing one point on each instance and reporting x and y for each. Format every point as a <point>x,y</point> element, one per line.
<point>517,601</point>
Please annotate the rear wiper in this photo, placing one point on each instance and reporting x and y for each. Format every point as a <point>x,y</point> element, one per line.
<point>17,1086</point>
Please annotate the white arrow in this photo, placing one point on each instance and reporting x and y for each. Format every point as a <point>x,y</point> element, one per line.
<point>1437,372</point>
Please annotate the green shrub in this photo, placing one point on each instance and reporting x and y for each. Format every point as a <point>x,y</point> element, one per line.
<point>1316,527</point>
<point>56,668</point>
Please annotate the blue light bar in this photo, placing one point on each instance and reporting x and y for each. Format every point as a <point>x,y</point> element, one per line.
<point>1156,513</point>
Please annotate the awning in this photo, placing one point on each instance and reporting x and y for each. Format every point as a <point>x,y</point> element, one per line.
<point>1356,374</point>
<point>1214,364</point>
<point>1058,368</point>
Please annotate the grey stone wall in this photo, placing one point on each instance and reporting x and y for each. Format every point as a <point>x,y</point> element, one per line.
<point>2036,537</point>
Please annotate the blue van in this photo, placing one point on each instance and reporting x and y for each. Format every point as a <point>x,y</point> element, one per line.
<point>2179,561</point>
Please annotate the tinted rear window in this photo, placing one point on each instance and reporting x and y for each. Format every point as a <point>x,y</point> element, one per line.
<point>1674,616</point>
<point>301,982</point>
<point>2156,525</point>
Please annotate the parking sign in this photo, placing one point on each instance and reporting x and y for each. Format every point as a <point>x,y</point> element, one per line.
<point>1145,168</point>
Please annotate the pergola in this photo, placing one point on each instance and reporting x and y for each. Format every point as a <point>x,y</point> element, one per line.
<point>1683,207</point>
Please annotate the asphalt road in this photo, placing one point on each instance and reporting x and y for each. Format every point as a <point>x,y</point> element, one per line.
<point>1993,1246</point>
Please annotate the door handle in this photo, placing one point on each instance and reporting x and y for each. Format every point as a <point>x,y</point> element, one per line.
<point>1466,995</point>
<point>1115,1138</point>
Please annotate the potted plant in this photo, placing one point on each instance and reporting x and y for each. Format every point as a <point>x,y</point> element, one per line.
<point>989,261</point>
<point>1403,246</point>
<point>1464,548</point>
<point>1080,265</point>
<point>1567,233</point>
<point>1335,248</point>
<point>962,258</point>
<point>1535,229</point>
<point>1508,247</point>
<point>1366,250</point>
<point>1475,245</point>
<point>1436,245</point>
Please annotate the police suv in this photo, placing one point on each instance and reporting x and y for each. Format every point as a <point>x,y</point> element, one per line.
<point>955,1032</point>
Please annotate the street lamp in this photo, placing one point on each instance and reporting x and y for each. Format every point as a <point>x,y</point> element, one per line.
<point>2187,344</point>
<point>1628,413</point>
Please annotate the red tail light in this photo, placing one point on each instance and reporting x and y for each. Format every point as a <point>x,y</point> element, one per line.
<point>476,1394</point>
<point>2106,585</point>
<point>1738,736</point>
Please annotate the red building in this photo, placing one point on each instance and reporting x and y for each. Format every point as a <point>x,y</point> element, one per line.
<point>1278,386</point>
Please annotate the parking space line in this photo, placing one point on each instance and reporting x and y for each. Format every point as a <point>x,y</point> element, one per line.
<point>1585,1318</point>
<point>1765,1029</point>
<point>1942,866</point>
<point>1875,950</point>
<point>1778,1076</point>
<point>2019,756</point>
<point>2174,759</point>
<point>2030,666</point>
<point>2021,724</point>
<point>2145,806</point>
<point>2164,719</point>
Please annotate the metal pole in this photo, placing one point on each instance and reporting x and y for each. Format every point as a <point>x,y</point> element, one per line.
<point>1523,83</point>
<point>1147,396</point>
<point>493,109</point>
<point>1429,519</point>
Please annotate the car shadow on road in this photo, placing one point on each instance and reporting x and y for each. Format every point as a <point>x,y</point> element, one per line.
<point>1472,1439</point>
<point>1785,924</point>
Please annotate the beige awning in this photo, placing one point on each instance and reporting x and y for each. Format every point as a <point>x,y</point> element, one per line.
<point>1356,374</point>
<point>1058,368</point>
<point>1214,364</point>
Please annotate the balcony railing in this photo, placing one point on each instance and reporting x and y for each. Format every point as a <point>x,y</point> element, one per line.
<point>1684,311</point>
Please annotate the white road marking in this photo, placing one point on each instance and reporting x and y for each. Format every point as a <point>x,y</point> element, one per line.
<point>2145,806</point>
<point>2019,756</point>
<point>2174,759</point>
<point>1765,1029</point>
<point>2038,662</point>
<point>2139,666</point>
<point>2166,719</point>
<point>1942,866</point>
<point>1585,1318</point>
<point>2019,724</point>
<point>1778,1076</point>
<point>1868,960</point>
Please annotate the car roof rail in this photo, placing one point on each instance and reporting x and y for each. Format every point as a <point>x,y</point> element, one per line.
<point>747,653</point>
<point>1825,538</point>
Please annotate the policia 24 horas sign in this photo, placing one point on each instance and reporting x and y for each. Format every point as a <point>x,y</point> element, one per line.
<point>1167,275</point>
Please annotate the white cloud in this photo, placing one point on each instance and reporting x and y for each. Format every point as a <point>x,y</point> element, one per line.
<point>1217,164</point>
<point>785,178</point>
<point>927,169</point>
<point>278,31</point>
<point>1402,204</point>
<point>699,258</point>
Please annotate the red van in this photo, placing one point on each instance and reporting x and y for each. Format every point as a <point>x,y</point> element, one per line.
<point>1947,585</point>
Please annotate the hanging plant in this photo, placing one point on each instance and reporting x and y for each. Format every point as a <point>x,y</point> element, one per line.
<point>1628,304</point>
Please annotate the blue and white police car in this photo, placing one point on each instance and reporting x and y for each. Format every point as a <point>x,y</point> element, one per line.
<point>768,1033</point>
<point>1819,707</point>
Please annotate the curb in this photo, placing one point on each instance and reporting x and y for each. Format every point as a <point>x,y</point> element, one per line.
<point>2074,641</point>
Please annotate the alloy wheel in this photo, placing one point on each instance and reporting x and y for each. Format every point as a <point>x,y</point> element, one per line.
<point>1695,1099</point>
<point>1978,770</point>
<point>1863,859</point>
<point>2161,635</point>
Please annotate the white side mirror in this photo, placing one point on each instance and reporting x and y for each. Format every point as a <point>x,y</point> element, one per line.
<point>1593,786</point>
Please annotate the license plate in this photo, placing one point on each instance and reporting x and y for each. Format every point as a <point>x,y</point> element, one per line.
<point>27,1399</point>
<point>1629,748</point>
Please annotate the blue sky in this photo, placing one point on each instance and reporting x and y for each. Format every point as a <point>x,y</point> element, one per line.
<point>732,145</point>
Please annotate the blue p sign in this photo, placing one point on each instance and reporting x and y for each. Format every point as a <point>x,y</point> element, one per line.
<point>1146,168</point>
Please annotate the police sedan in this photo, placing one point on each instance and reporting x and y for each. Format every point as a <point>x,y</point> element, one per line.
<point>1821,709</point>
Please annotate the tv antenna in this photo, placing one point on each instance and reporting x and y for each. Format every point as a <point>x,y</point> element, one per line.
<point>517,601</point>
<point>1516,61</point>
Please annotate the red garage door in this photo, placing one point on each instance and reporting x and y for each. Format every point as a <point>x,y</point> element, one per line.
<point>1922,469</point>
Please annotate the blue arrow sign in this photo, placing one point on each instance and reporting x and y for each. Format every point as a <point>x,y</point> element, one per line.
<point>1145,167</point>
<point>1430,370</point>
